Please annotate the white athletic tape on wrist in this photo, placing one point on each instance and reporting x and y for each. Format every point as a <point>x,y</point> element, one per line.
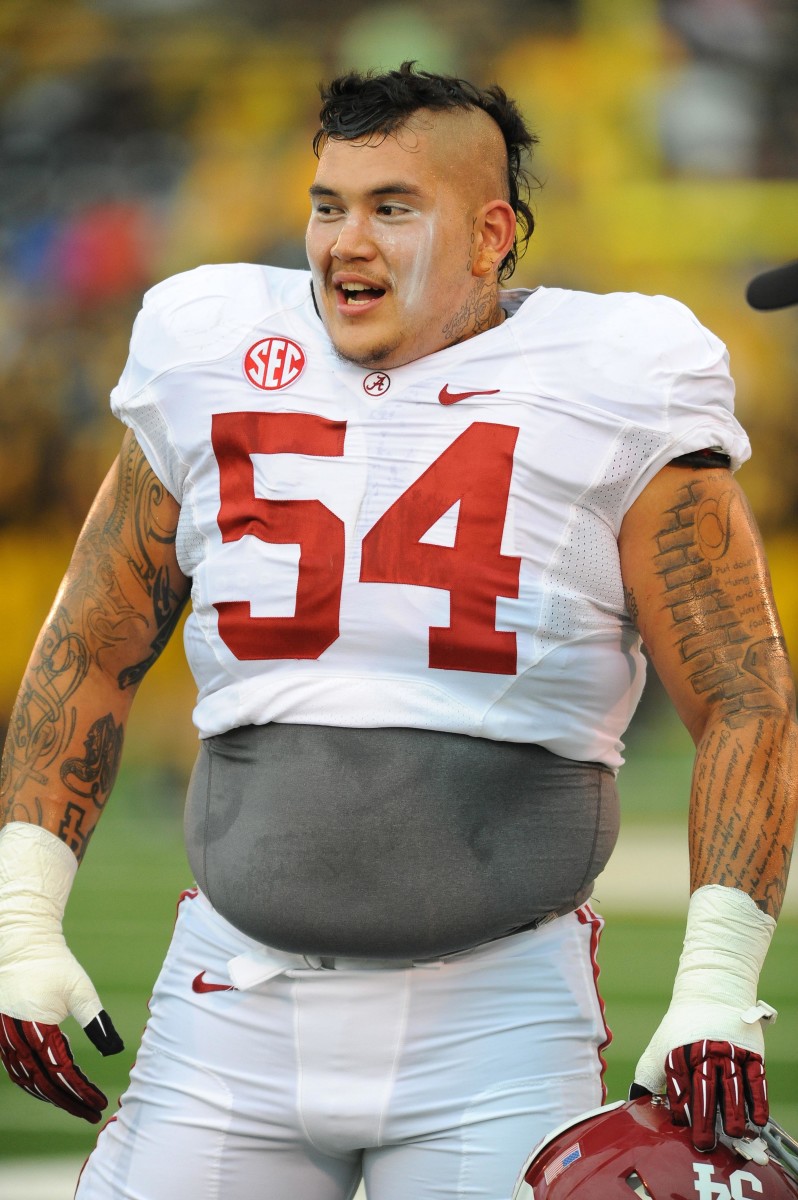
<point>40,979</point>
<point>37,871</point>
<point>714,994</point>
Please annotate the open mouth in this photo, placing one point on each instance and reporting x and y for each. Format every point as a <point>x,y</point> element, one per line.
<point>357,295</point>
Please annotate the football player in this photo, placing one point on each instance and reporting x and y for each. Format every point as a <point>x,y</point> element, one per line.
<point>425,524</point>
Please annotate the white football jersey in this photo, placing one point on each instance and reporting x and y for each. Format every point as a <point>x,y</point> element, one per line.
<point>432,546</point>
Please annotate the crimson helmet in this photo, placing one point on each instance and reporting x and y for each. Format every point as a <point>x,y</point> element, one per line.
<point>632,1149</point>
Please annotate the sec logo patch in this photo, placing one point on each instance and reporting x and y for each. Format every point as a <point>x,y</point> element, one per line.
<point>274,363</point>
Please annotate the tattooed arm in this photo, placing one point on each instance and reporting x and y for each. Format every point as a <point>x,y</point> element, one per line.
<point>698,589</point>
<point>698,585</point>
<point>119,602</point>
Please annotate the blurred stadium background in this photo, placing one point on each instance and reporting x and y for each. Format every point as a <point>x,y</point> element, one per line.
<point>142,137</point>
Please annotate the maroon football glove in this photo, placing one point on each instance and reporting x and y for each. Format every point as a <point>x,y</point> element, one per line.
<point>39,1060</point>
<point>707,1077</point>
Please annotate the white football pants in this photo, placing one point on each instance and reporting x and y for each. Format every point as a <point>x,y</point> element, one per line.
<point>431,1082</point>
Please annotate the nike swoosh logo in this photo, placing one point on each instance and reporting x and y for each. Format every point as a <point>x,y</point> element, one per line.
<point>447,397</point>
<point>199,985</point>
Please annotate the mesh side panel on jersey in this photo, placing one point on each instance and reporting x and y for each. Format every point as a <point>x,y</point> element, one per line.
<point>636,448</point>
<point>146,419</point>
<point>584,581</point>
<point>190,542</point>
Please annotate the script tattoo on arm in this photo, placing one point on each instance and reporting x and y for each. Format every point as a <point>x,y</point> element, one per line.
<point>120,600</point>
<point>732,655</point>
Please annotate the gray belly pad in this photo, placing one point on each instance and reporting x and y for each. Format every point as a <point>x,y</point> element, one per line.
<point>392,843</point>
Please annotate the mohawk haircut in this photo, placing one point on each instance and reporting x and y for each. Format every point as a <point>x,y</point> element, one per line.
<point>359,105</point>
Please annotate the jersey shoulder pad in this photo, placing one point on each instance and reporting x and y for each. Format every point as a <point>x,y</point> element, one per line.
<point>618,326</point>
<point>201,315</point>
<point>623,350</point>
<point>664,331</point>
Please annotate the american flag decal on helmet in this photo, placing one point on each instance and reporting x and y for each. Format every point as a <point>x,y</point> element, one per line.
<point>571,1155</point>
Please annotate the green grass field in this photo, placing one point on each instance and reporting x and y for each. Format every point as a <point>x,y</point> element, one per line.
<point>122,909</point>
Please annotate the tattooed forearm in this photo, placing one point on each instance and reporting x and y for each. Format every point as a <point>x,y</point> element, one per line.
<point>73,831</point>
<point>43,719</point>
<point>734,842</point>
<point>742,800</point>
<point>14,809</point>
<point>92,775</point>
<point>725,646</point>
<point>121,598</point>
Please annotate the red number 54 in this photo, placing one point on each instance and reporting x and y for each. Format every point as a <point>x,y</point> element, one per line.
<point>475,470</point>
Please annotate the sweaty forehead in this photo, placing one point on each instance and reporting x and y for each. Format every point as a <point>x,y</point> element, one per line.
<point>462,147</point>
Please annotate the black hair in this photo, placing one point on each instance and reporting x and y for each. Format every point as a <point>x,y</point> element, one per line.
<point>357,105</point>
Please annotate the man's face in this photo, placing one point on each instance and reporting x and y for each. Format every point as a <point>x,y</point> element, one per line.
<point>390,243</point>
